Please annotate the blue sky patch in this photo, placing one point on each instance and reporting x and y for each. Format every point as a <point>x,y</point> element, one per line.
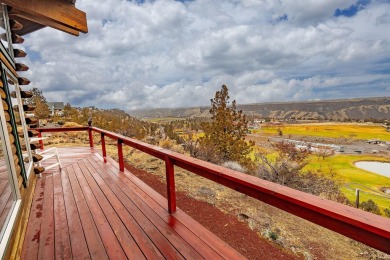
<point>353,9</point>
<point>33,55</point>
<point>280,19</point>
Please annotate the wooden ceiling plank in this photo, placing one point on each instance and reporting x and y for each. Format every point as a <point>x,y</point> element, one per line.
<point>57,11</point>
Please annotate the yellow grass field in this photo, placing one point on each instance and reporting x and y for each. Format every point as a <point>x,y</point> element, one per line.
<point>162,120</point>
<point>333,130</point>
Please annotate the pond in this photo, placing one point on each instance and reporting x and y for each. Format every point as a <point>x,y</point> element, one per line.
<point>382,168</point>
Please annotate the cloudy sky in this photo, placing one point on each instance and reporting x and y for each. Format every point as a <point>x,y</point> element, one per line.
<point>144,54</point>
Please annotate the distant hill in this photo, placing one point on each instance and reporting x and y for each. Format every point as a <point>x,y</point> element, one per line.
<point>341,109</point>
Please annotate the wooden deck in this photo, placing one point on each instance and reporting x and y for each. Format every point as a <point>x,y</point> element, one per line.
<point>89,209</point>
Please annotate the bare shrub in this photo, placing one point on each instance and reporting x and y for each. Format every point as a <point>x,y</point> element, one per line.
<point>387,212</point>
<point>233,166</point>
<point>166,144</point>
<point>370,206</point>
<point>171,145</point>
<point>287,169</point>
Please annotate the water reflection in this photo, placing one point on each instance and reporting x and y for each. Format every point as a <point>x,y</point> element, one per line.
<point>382,168</point>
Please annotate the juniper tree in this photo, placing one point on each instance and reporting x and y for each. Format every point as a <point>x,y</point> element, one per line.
<point>42,110</point>
<point>224,137</point>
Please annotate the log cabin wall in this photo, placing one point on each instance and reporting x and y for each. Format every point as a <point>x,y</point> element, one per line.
<point>14,196</point>
<point>18,175</point>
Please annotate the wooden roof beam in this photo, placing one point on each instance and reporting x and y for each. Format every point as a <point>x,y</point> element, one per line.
<point>58,14</point>
<point>17,13</point>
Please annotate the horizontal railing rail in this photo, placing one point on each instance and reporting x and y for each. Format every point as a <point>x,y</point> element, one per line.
<point>60,129</point>
<point>365,227</point>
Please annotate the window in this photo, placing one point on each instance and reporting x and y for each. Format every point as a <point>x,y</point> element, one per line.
<point>10,167</point>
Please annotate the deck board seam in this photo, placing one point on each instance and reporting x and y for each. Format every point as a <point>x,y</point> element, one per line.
<point>137,207</point>
<point>96,201</point>
<point>146,189</point>
<point>57,175</point>
<point>45,229</point>
<point>83,192</point>
<point>139,195</point>
<point>119,208</point>
<point>66,213</point>
<point>141,192</point>
<point>75,203</point>
<point>134,222</point>
<point>30,227</point>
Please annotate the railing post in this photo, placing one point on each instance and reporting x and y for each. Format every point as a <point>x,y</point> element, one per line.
<point>40,141</point>
<point>103,147</point>
<point>170,177</point>
<point>90,137</point>
<point>120,156</point>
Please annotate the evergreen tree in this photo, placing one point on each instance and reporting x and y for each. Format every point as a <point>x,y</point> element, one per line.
<point>67,109</point>
<point>224,138</point>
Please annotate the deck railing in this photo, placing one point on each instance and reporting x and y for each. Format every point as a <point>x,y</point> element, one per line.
<point>370,229</point>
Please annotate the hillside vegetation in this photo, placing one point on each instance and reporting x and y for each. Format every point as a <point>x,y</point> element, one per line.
<point>114,120</point>
<point>335,110</point>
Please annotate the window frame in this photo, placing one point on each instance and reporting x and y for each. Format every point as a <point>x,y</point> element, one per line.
<point>13,182</point>
<point>8,56</point>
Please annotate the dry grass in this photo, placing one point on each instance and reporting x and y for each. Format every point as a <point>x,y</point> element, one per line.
<point>72,124</point>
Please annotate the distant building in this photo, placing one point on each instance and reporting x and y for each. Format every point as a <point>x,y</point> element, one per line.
<point>56,108</point>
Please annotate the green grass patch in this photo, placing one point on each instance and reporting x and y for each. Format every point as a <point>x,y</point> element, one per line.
<point>344,170</point>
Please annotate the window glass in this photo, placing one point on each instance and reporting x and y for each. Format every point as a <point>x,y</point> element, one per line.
<point>7,196</point>
<point>3,35</point>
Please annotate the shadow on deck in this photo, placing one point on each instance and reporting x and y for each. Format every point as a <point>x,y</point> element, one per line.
<point>89,209</point>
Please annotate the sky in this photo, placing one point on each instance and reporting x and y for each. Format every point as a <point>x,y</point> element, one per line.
<point>153,54</point>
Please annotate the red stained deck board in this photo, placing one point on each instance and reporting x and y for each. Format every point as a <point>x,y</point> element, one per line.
<point>32,237</point>
<point>62,242</point>
<point>99,213</point>
<point>111,244</point>
<point>76,233</point>
<point>46,243</point>
<point>92,237</point>
<point>174,230</point>
<point>179,217</point>
<point>129,246</point>
<point>148,221</point>
<point>141,238</point>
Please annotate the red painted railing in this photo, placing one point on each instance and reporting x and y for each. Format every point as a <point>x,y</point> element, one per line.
<point>362,226</point>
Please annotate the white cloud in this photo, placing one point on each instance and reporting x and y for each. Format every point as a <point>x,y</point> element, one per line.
<point>169,54</point>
